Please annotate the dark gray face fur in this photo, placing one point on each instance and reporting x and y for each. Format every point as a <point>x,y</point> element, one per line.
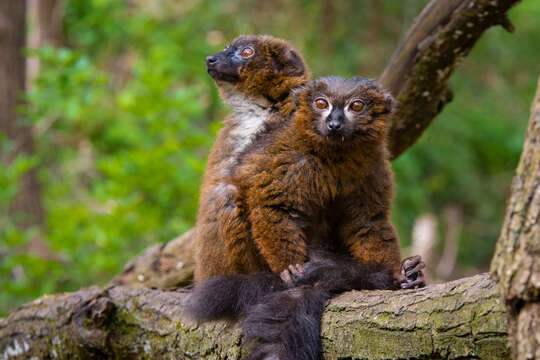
<point>225,64</point>
<point>353,107</point>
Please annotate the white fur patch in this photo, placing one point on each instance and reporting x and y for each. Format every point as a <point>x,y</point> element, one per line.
<point>249,118</point>
<point>327,112</point>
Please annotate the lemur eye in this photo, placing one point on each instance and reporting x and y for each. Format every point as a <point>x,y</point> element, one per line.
<point>356,105</point>
<point>247,52</point>
<point>320,103</point>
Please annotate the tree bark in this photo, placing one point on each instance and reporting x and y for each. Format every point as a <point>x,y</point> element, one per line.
<point>516,263</point>
<point>417,75</point>
<point>461,319</point>
<point>162,266</point>
<point>418,72</point>
<point>27,202</point>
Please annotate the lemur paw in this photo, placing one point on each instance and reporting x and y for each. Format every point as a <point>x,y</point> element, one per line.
<point>411,273</point>
<point>291,275</point>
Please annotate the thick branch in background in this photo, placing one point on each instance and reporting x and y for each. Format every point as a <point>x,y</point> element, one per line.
<point>418,73</point>
<point>460,319</point>
<point>162,265</point>
<point>516,263</point>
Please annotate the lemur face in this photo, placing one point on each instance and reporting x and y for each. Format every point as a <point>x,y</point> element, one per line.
<point>225,65</point>
<point>339,110</point>
<point>258,65</point>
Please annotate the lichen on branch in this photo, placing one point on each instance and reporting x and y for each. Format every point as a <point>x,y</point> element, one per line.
<point>463,318</point>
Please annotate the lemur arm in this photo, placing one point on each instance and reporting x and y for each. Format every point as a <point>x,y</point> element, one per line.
<point>367,233</point>
<point>370,238</point>
<point>279,238</point>
<point>279,206</point>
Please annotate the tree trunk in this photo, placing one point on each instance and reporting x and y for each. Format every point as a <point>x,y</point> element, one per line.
<point>27,202</point>
<point>417,75</point>
<point>461,319</point>
<point>516,263</point>
<point>45,18</point>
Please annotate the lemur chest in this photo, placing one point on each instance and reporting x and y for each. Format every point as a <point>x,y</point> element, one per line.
<point>243,126</point>
<point>321,229</point>
<point>340,178</point>
<point>247,121</point>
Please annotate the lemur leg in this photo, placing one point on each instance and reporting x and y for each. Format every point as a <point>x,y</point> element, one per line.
<point>373,242</point>
<point>234,230</point>
<point>370,237</point>
<point>211,252</point>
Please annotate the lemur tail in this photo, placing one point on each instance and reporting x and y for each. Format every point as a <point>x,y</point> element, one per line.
<point>283,321</point>
<point>228,296</point>
<point>286,324</point>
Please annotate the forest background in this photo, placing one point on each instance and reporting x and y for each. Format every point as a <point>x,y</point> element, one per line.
<point>123,115</point>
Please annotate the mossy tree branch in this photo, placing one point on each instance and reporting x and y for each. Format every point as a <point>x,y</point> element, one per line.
<point>460,319</point>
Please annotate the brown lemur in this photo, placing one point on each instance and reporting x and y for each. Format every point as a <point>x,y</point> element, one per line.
<point>316,193</point>
<point>325,179</point>
<point>254,75</point>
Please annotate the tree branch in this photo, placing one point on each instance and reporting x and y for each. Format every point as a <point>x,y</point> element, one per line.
<point>463,318</point>
<point>418,72</point>
<point>162,265</point>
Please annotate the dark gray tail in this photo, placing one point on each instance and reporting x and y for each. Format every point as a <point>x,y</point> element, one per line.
<point>286,325</point>
<point>228,296</point>
<point>279,322</point>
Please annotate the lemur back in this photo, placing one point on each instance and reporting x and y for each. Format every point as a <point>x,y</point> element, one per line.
<point>254,75</point>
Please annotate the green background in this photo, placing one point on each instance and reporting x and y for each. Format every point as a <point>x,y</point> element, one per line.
<point>127,115</point>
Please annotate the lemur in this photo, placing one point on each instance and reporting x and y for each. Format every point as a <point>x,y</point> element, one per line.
<point>316,194</point>
<point>254,75</point>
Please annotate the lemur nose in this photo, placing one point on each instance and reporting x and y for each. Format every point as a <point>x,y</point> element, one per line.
<point>333,125</point>
<point>210,60</point>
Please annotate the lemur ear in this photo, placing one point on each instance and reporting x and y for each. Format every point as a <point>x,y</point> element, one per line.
<point>289,63</point>
<point>389,102</point>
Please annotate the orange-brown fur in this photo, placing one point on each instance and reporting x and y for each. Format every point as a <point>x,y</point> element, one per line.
<point>299,190</point>
<point>259,94</point>
<point>311,204</point>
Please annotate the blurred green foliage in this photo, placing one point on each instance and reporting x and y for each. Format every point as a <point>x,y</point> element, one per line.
<point>125,115</point>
